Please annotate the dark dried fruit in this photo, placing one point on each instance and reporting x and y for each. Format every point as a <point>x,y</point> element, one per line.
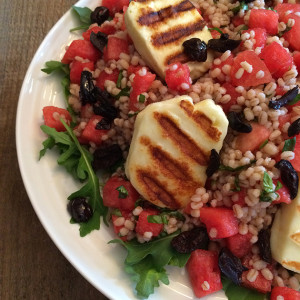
<point>285,99</point>
<point>214,163</point>
<point>195,49</point>
<point>104,124</point>
<point>99,40</point>
<point>188,241</point>
<point>80,210</point>
<point>107,157</point>
<point>237,124</point>
<point>289,176</point>
<point>294,128</point>
<point>223,44</point>
<point>264,245</point>
<point>231,266</point>
<point>99,15</point>
<point>87,87</point>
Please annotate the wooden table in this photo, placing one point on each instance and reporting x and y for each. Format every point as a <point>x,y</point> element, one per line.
<point>31,267</point>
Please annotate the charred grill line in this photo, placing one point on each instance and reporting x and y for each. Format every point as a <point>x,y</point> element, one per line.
<point>176,33</point>
<point>183,142</point>
<point>164,14</point>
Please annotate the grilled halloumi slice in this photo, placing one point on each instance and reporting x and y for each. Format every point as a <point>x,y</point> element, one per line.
<point>170,149</point>
<point>158,29</point>
<point>285,235</point>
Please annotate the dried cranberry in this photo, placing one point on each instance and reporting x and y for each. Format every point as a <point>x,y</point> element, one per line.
<point>214,163</point>
<point>107,157</point>
<point>99,15</point>
<point>188,241</point>
<point>237,124</point>
<point>289,176</point>
<point>104,124</point>
<point>294,128</point>
<point>87,87</point>
<point>195,49</point>
<point>264,245</point>
<point>99,40</point>
<point>231,266</point>
<point>80,210</point>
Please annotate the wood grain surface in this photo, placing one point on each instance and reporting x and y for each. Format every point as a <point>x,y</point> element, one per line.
<point>31,267</point>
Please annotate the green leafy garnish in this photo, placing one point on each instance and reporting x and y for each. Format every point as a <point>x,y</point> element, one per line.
<point>123,193</point>
<point>142,98</point>
<point>84,16</point>
<point>268,188</point>
<point>242,6</point>
<point>145,262</point>
<point>77,161</point>
<point>158,219</point>
<point>264,144</point>
<point>236,184</point>
<point>296,99</point>
<point>130,115</point>
<point>217,29</point>
<point>123,92</point>
<point>116,212</point>
<point>53,66</point>
<point>236,292</point>
<point>289,145</point>
<point>287,29</point>
<point>237,169</point>
<point>120,77</point>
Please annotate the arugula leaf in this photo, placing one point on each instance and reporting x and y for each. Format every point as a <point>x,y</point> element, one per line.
<point>289,145</point>
<point>123,193</point>
<point>242,6</point>
<point>146,262</point>
<point>236,292</point>
<point>296,99</point>
<point>268,188</point>
<point>77,161</point>
<point>84,16</point>
<point>53,66</point>
<point>237,169</point>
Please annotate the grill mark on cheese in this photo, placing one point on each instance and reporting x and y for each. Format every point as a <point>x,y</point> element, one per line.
<point>171,167</point>
<point>151,17</point>
<point>202,120</point>
<point>292,264</point>
<point>177,33</point>
<point>298,208</point>
<point>155,190</point>
<point>183,141</point>
<point>296,237</point>
<point>176,57</point>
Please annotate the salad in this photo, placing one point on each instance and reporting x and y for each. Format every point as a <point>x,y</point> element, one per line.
<point>237,60</point>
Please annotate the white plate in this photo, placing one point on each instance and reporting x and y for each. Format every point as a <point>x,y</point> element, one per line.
<point>48,185</point>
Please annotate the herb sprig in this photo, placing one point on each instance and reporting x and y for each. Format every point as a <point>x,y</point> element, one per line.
<point>268,188</point>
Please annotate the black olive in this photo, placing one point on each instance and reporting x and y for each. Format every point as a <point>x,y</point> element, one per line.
<point>86,88</point>
<point>237,124</point>
<point>188,241</point>
<point>80,210</point>
<point>195,49</point>
<point>231,266</point>
<point>294,128</point>
<point>106,157</point>
<point>104,124</point>
<point>264,245</point>
<point>285,99</point>
<point>214,163</point>
<point>289,176</point>
<point>103,107</point>
<point>99,15</point>
<point>223,44</point>
<point>98,40</point>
